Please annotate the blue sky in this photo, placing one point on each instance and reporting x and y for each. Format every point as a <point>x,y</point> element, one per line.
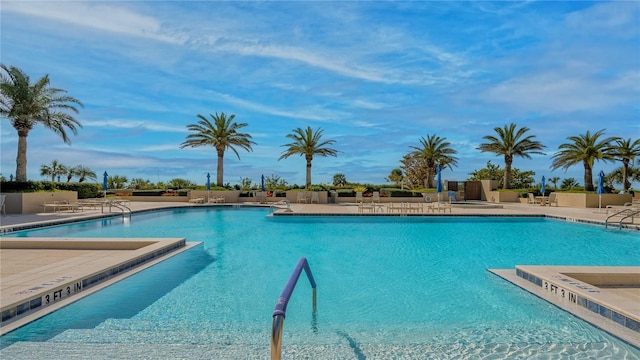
<point>376,76</point>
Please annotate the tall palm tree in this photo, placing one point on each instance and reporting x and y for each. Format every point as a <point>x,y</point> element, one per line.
<point>626,151</point>
<point>584,149</point>
<point>53,170</point>
<point>435,150</point>
<point>83,173</point>
<point>222,134</point>
<point>308,143</point>
<point>26,104</point>
<point>511,142</point>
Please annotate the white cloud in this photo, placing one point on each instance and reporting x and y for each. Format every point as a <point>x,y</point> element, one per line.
<point>111,17</point>
<point>133,124</point>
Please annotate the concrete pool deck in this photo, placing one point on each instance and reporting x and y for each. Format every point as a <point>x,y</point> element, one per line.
<point>29,269</point>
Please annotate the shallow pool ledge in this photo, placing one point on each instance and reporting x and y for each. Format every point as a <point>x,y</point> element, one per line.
<point>41,275</point>
<point>608,297</point>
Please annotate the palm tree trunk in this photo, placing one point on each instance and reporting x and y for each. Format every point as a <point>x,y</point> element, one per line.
<point>21,158</point>
<point>220,170</point>
<point>588,177</point>
<point>625,178</point>
<point>506,183</point>
<point>309,158</point>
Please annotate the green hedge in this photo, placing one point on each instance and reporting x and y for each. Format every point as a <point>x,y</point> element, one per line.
<point>392,192</point>
<point>84,190</point>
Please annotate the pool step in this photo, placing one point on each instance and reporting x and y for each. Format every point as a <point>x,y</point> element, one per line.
<point>36,350</point>
<point>109,351</point>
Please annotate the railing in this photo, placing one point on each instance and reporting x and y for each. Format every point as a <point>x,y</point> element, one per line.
<point>119,206</point>
<point>281,306</point>
<point>626,213</point>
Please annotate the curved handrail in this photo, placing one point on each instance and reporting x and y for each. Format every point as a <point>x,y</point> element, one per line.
<point>630,212</point>
<point>281,305</point>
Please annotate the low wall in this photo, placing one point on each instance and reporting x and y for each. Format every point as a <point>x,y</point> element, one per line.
<point>31,203</point>
<point>503,196</point>
<point>592,200</point>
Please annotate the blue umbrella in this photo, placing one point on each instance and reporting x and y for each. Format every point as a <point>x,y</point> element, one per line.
<point>262,186</point>
<point>600,189</point>
<point>105,185</point>
<point>438,182</point>
<point>542,188</point>
<point>208,185</point>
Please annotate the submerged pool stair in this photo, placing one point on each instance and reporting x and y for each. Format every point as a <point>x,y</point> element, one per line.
<point>137,339</point>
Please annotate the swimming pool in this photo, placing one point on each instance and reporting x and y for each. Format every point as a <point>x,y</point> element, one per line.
<point>387,287</point>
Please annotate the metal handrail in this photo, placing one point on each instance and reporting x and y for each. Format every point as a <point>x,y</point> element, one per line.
<point>119,206</point>
<point>631,213</point>
<point>281,306</point>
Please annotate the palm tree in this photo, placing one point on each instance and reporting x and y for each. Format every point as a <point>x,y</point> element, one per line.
<point>26,104</point>
<point>554,180</point>
<point>53,170</point>
<point>584,149</point>
<point>569,183</point>
<point>511,142</point>
<point>222,135</point>
<point>71,172</point>
<point>626,151</point>
<point>435,150</point>
<point>117,182</point>
<point>308,143</point>
<point>84,173</point>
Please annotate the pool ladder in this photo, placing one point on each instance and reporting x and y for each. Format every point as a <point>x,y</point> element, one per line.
<point>281,306</point>
<point>626,213</point>
<point>120,207</point>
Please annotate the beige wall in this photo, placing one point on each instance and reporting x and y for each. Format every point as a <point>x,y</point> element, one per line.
<point>31,203</point>
<point>592,200</point>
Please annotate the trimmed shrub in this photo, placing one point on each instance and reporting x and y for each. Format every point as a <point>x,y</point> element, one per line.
<point>392,192</point>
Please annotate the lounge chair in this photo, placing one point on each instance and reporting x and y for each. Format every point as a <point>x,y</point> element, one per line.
<point>301,198</point>
<point>216,200</point>
<point>3,210</point>
<point>198,200</point>
<point>396,207</point>
<point>375,197</point>
<point>61,205</point>
<point>315,197</point>
<point>553,199</point>
<point>359,197</point>
<point>532,199</point>
<point>440,206</point>
<point>369,206</point>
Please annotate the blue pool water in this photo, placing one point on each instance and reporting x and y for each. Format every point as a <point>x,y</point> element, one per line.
<point>415,284</point>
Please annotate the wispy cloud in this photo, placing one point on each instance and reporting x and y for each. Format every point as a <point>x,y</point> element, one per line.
<point>110,17</point>
<point>133,124</point>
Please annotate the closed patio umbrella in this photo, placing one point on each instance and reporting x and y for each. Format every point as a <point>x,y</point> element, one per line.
<point>208,185</point>
<point>600,188</point>
<point>105,184</point>
<point>439,182</point>
<point>542,187</point>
